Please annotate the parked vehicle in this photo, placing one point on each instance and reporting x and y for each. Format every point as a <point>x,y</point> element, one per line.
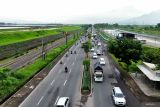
<point>98,72</point>
<point>102,61</point>
<point>63,102</point>
<point>118,97</point>
<point>94,56</point>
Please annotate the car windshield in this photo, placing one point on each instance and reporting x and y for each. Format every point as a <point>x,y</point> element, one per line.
<point>119,95</point>
<point>94,54</point>
<point>102,59</point>
<point>98,75</point>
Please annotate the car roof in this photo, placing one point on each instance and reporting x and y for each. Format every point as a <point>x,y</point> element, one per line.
<point>101,58</point>
<point>62,100</point>
<point>98,72</point>
<point>117,90</point>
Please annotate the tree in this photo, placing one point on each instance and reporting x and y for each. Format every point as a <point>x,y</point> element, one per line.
<point>86,64</point>
<point>126,49</point>
<point>89,36</point>
<point>86,47</point>
<point>158,25</point>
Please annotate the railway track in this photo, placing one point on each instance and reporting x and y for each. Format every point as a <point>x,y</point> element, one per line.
<point>31,56</point>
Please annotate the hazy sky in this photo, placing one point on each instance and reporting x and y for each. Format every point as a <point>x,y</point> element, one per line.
<point>75,11</point>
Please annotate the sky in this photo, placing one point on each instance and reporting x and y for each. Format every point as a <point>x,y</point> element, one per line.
<point>75,11</point>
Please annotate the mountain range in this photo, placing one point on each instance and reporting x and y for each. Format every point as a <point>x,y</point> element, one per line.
<point>147,19</point>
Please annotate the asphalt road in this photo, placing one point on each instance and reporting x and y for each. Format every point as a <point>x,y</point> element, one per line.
<point>102,91</point>
<point>58,83</point>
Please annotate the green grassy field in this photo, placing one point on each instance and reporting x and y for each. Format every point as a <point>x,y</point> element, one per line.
<point>19,36</point>
<point>10,83</point>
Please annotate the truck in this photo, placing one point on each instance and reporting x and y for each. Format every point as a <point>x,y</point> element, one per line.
<point>98,72</point>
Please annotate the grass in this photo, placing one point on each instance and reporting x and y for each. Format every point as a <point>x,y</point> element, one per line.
<point>12,82</point>
<point>86,80</point>
<point>20,36</point>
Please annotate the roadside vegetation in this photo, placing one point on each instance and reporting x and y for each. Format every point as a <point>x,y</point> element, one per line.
<point>127,51</point>
<point>19,36</point>
<point>11,82</point>
<point>86,79</point>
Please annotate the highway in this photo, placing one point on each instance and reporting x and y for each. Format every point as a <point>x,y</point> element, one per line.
<point>58,83</point>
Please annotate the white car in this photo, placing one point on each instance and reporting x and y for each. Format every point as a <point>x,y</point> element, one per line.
<point>92,50</point>
<point>63,102</point>
<point>98,77</point>
<point>118,97</point>
<point>99,43</point>
<point>94,56</point>
<point>102,61</point>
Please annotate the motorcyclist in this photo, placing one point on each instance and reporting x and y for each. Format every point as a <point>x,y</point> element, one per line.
<point>66,69</point>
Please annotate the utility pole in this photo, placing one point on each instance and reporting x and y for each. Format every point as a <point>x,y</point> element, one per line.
<point>66,34</point>
<point>43,51</point>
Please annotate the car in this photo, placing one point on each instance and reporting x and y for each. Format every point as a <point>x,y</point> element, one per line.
<point>94,56</point>
<point>92,49</point>
<point>102,61</point>
<point>63,102</point>
<point>99,52</point>
<point>99,44</point>
<point>118,97</point>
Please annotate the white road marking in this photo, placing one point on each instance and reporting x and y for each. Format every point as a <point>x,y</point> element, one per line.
<point>40,100</point>
<point>65,83</point>
<point>56,100</point>
<point>72,63</point>
<point>70,71</point>
<point>52,82</point>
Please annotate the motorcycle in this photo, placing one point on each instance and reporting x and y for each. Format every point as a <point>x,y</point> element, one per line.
<point>66,69</point>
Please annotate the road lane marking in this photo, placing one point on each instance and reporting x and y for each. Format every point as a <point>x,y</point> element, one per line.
<point>56,100</point>
<point>40,100</point>
<point>65,83</point>
<point>52,82</point>
<point>70,71</point>
<point>72,63</point>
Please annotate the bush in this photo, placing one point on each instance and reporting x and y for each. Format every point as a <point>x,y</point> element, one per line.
<point>86,80</point>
